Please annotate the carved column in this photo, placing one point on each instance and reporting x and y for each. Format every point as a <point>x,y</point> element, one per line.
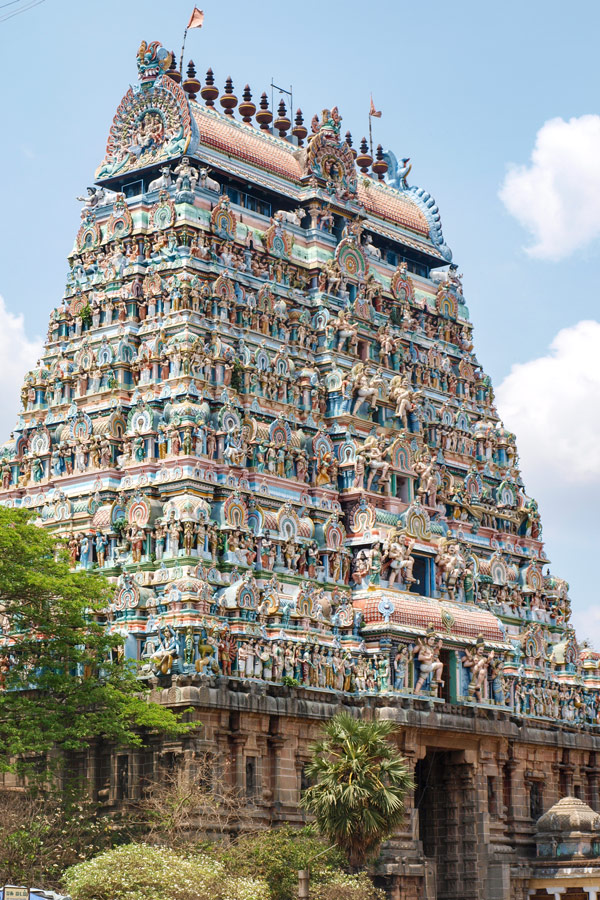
<point>275,744</point>
<point>238,742</point>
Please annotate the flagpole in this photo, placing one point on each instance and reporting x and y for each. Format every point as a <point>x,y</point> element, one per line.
<point>182,50</point>
<point>370,133</point>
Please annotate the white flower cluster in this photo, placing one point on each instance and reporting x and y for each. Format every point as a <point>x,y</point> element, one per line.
<point>338,885</point>
<point>141,872</point>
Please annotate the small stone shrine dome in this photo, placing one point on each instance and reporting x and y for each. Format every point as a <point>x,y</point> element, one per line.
<point>568,815</point>
<point>570,828</point>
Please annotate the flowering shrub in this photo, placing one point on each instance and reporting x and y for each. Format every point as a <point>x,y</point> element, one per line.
<point>343,886</point>
<point>141,872</point>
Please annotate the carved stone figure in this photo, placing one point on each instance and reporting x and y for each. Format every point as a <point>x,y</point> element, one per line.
<point>430,666</point>
<point>479,664</point>
<point>397,553</point>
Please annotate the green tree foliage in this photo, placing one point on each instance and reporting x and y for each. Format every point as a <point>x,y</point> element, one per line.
<point>141,872</point>
<point>278,854</point>
<point>63,679</point>
<point>360,783</point>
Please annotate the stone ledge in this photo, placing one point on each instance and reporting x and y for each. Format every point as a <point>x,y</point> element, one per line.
<point>241,695</point>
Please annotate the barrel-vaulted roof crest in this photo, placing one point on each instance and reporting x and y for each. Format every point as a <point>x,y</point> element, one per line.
<point>153,122</point>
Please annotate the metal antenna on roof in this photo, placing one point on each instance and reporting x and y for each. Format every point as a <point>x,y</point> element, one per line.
<point>281,91</point>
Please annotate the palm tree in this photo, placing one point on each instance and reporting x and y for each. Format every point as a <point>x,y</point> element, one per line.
<point>360,782</point>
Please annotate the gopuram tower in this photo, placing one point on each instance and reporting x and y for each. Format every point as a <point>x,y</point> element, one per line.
<point>260,413</point>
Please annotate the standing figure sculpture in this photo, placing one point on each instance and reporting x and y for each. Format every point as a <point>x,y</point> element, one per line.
<point>427,653</point>
<point>451,567</point>
<point>400,668</point>
<point>479,663</point>
<point>428,484</point>
<point>402,396</point>
<point>397,551</point>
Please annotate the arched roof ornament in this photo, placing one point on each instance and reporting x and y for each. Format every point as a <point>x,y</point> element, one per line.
<point>328,157</point>
<point>152,123</point>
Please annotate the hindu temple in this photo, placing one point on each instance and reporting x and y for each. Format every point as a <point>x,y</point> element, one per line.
<point>260,413</point>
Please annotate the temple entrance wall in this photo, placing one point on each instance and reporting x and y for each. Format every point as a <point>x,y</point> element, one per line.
<point>481,778</point>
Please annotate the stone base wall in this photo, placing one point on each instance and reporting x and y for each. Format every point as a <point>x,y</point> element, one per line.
<point>482,776</point>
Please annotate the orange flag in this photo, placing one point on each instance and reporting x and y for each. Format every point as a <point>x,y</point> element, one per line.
<point>376,113</point>
<point>196,19</point>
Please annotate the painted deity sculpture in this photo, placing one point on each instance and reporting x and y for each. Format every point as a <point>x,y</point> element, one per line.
<point>430,666</point>
<point>478,663</point>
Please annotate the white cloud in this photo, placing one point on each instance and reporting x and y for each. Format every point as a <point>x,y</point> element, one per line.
<point>557,196</point>
<point>552,404</point>
<point>18,354</point>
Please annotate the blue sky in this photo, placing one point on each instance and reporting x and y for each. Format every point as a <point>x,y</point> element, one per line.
<point>464,89</point>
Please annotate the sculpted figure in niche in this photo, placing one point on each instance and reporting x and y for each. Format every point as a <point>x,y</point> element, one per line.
<point>37,469</point>
<point>365,387</point>
<point>175,442</point>
<point>362,566</point>
<point>189,538</point>
<point>84,550</point>
<point>345,330</point>
<point>73,547</point>
<point>325,219</point>
<point>335,565</point>
<point>383,673</point>
<point>374,557</point>
<point>267,554</point>
<point>209,184</point>
<point>397,552</point>
<point>402,396</point>
<point>451,567</point>
<point>213,541</point>
<point>327,469</point>
<point>479,663</point>
<point>388,345</point>
<point>174,530</point>
<point>100,543</point>
<point>187,175</point>
<point>226,651</point>
<point>293,217</point>
<point>246,551</point>
<point>359,471</point>
<point>333,277</point>
<point>428,485</point>
<point>427,653</point>
<point>290,554</point>
<point>301,467</point>
<point>370,247</point>
<point>400,668</point>
<point>374,451</point>
<point>147,657</point>
<point>96,197</point>
<point>159,540</point>
<point>137,538</point>
<point>198,248</point>
<point>164,180</point>
<point>167,651</point>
